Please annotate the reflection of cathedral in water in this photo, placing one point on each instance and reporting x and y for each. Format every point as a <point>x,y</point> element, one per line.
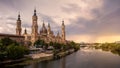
<point>60,63</point>
<point>63,62</point>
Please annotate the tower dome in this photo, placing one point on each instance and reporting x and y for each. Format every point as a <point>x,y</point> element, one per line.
<point>43,30</point>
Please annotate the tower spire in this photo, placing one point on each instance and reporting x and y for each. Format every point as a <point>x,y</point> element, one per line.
<point>63,31</point>
<point>25,31</point>
<point>62,22</point>
<point>43,24</point>
<point>34,27</point>
<point>48,25</point>
<point>49,29</point>
<point>19,16</point>
<point>58,34</point>
<point>35,12</point>
<point>18,26</point>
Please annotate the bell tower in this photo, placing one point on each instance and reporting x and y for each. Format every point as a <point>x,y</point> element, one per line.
<point>18,27</point>
<point>34,27</point>
<point>49,29</point>
<point>63,31</point>
<point>25,32</point>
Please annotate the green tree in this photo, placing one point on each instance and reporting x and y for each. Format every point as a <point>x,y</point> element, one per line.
<point>6,41</point>
<point>16,52</point>
<point>39,43</point>
<point>10,49</point>
<point>2,55</point>
<point>51,43</point>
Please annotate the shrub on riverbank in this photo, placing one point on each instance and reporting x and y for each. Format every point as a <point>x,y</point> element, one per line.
<point>39,43</point>
<point>10,49</point>
<point>65,49</point>
<point>16,52</point>
<point>74,45</point>
<point>113,47</point>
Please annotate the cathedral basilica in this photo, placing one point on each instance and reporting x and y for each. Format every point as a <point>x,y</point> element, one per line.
<point>45,33</point>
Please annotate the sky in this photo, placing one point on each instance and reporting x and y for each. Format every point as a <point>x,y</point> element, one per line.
<point>85,20</point>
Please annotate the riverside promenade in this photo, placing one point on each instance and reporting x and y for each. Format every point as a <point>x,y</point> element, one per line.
<point>40,55</point>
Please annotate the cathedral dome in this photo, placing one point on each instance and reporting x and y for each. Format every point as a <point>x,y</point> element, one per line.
<point>43,30</point>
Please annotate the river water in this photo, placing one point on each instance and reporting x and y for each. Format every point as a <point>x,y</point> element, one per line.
<point>84,58</point>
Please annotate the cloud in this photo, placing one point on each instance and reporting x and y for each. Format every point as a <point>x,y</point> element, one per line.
<point>47,19</point>
<point>55,26</point>
<point>85,20</point>
<point>71,8</point>
<point>104,22</point>
<point>108,24</point>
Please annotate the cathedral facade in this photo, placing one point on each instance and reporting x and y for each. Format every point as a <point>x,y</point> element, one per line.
<point>44,33</point>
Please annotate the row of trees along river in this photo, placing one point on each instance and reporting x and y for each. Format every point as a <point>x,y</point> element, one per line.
<point>11,50</point>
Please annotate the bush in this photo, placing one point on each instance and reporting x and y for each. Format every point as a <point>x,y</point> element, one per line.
<point>7,41</point>
<point>76,47</point>
<point>3,55</point>
<point>39,43</point>
<point>10,49</point>
<point>16,52</point>
<point>113,47</point>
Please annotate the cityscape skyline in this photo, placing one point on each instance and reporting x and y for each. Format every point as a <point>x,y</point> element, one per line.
<point>85,21</point>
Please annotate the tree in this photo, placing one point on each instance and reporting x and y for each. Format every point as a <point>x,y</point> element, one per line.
<point>74,46</point>
<point>39,43</point>
<point>51,43</point>
<point>2,55</point>
<point>6,41</point>
<point>10,49</point>
<point>16,52</point>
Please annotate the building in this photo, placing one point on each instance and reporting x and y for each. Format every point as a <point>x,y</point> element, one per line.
<point>17,38</point>
<point>44,33</point>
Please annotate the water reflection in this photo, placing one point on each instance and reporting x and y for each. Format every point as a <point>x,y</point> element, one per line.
<point>44,64</point>
<point>85,58</point>
<point>63,63</point>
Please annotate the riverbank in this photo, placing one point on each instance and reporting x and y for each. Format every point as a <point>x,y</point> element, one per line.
<point>35,58</point>
<point>40,55</point>
<point>63,54</point>
<point>84,58</point>
<point>112,47</point>
<point>28,61</point>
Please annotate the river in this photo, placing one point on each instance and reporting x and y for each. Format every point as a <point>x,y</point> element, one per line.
<point>84,58</point>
